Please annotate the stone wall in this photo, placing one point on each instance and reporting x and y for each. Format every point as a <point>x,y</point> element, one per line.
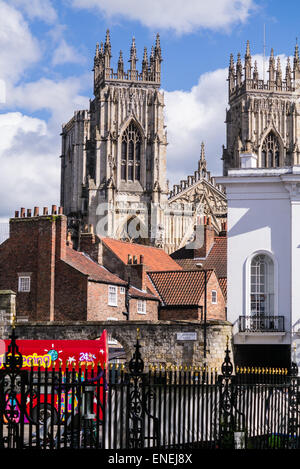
<point>158,339</point>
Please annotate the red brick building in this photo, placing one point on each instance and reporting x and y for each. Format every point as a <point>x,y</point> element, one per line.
<point>211,255</point>
<point>56,283</point>
<point>188,294</point>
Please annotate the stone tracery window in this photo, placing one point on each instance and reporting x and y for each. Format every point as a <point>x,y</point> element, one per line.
<point>270,152</point>
<point>131,154</point>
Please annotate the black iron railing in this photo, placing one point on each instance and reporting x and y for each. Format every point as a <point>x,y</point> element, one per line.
<point>163,407</point>
<point>261,323</point>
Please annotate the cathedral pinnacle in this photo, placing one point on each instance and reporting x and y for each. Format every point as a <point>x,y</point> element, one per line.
<point>231,64</point>
<point>278,73</point>
<point>145,64</point>
<point>271,67</point>
<point>133,57</point>
<point>202,161</point>
<point>255,72</point>
<point>239,70</point>
<point>157,49</point>
<point>248,62</point>
<point>248,54</point>
<point>120,65</point>
<point>107,45</point>
<point>296,58</point>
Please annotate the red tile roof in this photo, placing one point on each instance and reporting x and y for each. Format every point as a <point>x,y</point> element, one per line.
<point>136,293</point>
<point>179,287</point>
<point>216,259</point>
<point>87,266</point>
<point>154,258</point>
<point>223,285</point>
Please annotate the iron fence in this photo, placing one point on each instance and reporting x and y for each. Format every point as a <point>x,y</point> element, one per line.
<point>261,323</point>
<point>174,407</point>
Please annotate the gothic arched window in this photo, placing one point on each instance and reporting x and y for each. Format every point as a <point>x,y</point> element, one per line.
<point>131,154</point>
<point>270,152</point>
<point>262,285</point>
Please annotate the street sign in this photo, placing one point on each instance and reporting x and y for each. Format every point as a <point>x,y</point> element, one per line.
<point>186,335</point>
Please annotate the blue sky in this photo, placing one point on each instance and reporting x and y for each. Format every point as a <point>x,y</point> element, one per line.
<point>46,56</point>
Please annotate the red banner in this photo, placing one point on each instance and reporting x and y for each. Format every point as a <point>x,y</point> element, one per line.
<point>46,353</point>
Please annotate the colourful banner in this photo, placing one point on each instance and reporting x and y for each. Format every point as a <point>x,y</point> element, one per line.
<point>45,353</point>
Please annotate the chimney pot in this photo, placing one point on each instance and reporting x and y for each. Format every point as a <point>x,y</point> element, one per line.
<point>60,210</point>
<point>17,214</point>
<point>135,260</point>
<point>36,212</point>
<point>29,212</point>
<point>129,259</point>
<point>141,259</point>
<point>22,212</point>
<point>54,210</point>
<point>45,211</point>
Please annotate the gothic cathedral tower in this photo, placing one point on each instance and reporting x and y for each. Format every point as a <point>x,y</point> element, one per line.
<point>113,163</point>
<point>263,119</point>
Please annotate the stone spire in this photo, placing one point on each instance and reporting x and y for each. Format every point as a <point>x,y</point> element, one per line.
<point>278,73</point>
<point>145,64</point>
<point>248,66</point>
<point>202,160</point>
<point>133,57</point>
<point>157,50</point>
<point>296,62</point>
<point>239,70</point>
<point>231,74</point>
<point>288,74</point>
<point>107,50</point>
<point>157,58</point>
<point>272,67</point>
<point>120,65</point>
<point>255,72</point>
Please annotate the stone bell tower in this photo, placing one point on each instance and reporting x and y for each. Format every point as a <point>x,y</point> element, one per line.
<point>114,155</point>
<point>263,119</point>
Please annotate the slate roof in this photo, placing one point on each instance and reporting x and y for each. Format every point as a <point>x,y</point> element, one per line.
<point>184,287</point>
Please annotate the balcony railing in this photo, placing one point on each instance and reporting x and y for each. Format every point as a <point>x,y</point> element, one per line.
<point>261,323</point>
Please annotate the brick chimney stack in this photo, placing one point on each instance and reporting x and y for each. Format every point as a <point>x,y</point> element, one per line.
<point>137,272</point>
<point>91,244</point>
<point>208,239</point>
<point>37,241</point>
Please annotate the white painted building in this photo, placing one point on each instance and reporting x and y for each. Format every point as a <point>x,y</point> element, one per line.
<point>263,273</point>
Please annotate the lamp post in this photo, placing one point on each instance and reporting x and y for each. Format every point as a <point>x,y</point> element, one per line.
<point>205,314</point>
<point>205,311</point>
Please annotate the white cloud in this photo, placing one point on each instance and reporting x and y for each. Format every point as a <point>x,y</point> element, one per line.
<point>61,98</point>
<point>29,160</point>
<point>193,116</point>
<point>198,115</point>
<point>37,9</point>
<point>18,48</point>
<point>179,15</point>
<point>65,53</point>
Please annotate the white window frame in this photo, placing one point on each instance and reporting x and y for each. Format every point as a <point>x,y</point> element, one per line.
<point>111,302</point>
<point>110,340</point>
<point>22,279</point>
<point>247,281</point>
<point>214,297</point>
<point>122,290</point>
<point>142,310</point>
